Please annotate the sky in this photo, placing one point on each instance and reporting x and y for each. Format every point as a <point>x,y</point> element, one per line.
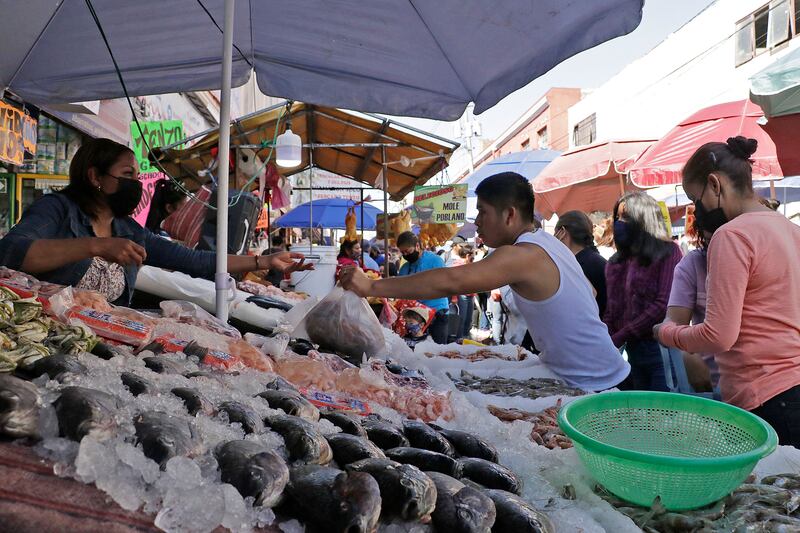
<point>586,70</point>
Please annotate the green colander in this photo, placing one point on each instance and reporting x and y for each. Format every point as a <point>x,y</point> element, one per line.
<point>688,451</point>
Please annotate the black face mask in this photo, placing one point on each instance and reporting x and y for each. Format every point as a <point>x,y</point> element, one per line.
<point>708,220</point>
<point>412,257</point>
<point>127,198</point>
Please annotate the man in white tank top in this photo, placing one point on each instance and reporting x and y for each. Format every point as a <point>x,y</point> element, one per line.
<point>549,287</point>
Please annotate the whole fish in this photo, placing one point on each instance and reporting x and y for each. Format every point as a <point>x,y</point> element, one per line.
<point>279,383</point>
<point>242,414</point>
<point>54,366</point>
<point>304,442</point>
<point>163,365</point>
<point>515,514</point>
<point>490,475</point>
<point>385,435</point>
<point>346,422</point>
<point>163,436</point>
<point>459,508</point>
<point>254,470</point>
<point>426,460</point>
<point>193,400</point>
<point>136,384</point>
<point>336,501</point>
<point>83,411</point>
<point>421,435</point>
<point>19,408</point>
<point>468,445</point>
<point>292,403</point>
<point>104,351</point>
<point>349,449</point>
<point>406,492</point>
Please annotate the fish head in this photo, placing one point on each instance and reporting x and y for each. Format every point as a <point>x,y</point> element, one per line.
<point>475,509</point>
<point>418,494</point>
<point>359,500</point>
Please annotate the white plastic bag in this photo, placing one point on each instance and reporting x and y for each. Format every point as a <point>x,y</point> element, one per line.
<point>190,313</point>
<point>346,323</point>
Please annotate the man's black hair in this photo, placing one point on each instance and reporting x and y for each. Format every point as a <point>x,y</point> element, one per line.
<point>505,190</point>
<point>407,238</point>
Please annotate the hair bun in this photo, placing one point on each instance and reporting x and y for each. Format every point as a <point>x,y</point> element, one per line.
<point>742,147</point>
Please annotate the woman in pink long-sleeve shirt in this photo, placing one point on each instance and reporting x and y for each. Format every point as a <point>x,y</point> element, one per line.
<point>752,319</point>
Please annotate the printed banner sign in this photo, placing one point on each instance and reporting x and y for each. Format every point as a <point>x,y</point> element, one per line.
<point>157,134</point>
<point>149,180</point>
<point>17,134</point>
<point>667,218</point>
<point>441,205</point>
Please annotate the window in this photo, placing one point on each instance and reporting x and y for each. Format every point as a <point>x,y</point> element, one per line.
<point>544,139</point>
<point>585,131</point>
<point>766,28</point>
<point>525,145</point>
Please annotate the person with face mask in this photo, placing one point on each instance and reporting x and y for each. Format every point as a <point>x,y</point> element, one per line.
<point>416,261</point>
<point>638,281</point>
<point>84,236</point>
<point>574,229</point>
<point>550,291</point>
<point>752,321</point>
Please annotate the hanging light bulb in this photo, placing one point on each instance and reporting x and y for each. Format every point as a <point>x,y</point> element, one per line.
<point>288,148</point>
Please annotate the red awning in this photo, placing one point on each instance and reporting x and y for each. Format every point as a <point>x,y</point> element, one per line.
<point>589,178</point>
<point>778,142</point>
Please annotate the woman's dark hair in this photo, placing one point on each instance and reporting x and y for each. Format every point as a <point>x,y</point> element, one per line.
<point>100,154</point>
<point>165,193</point>
<point>579,227</point>
<point>346,248</point>
<point>508,189</point>
<point>731,157</point>
<point>649,239</point>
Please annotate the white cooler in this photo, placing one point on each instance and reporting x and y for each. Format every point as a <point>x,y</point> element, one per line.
<point>320,281</point>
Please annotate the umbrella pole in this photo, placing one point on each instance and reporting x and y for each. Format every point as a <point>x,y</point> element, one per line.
<point>772,190</point>
<point>385,178</point>
<point>361,204</point>
<point>223,281</point>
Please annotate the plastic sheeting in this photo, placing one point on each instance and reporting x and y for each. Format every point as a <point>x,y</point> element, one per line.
<point>417,58</point>
<point>777,88</point>
<point>777,155</point>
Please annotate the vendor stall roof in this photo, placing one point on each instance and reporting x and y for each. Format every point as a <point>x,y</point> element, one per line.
<point>413,156</point>
<point>589,178</point>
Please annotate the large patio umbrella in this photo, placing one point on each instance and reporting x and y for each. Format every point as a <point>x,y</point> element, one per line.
<point>527,163</point>
<point>777,155</point>
<point>777,88</point>
<point>328,213</point>
<point>588,178</point>
<point>426,58</point>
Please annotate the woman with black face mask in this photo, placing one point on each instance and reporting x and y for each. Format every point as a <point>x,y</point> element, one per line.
<point>752,321</point>
<point>638,281</point>
<point>84,236</point>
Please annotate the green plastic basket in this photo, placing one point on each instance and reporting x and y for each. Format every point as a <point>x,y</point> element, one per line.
<point>688,451</point>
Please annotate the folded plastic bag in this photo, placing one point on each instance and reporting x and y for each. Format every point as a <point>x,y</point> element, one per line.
<point>190,313</point>
<point>346,323</point>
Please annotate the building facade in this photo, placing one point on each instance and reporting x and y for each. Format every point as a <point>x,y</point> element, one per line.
<point>707,61</point>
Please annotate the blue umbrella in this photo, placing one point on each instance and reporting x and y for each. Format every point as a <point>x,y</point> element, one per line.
<point>327,213</point>
<point>527,163</point>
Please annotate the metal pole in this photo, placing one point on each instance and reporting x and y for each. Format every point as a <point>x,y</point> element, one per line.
<point>362,223</point>
<point>385,179</point>
<point>223,281</point>
<point>311,201</point>
<point>269,228</point>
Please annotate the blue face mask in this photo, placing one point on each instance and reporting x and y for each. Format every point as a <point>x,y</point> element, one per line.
<point>413,329</point>
<point>623,236</point>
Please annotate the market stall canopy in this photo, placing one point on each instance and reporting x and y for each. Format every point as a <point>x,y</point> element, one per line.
<point>427,59</point>
<point>416,158</point>
<point>777,88</point>
<point>327,213</point>
<point>777,155</point>
<point>527,163</point>
<point>588,178</point>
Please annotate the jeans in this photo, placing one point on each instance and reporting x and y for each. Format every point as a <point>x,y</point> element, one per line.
<point>647,367</point>
<point>438,328</point>
<point>466,306</point>
<point>783,414</point>
<point>483,308</point>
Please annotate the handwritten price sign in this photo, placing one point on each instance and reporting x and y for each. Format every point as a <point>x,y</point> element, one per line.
<point>157,134</point>
<point>17,134</point>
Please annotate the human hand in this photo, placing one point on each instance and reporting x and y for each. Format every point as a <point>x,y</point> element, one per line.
<point>354,279</point>
<point>657,329</point>
<point>285,262</point>
<point>118,250</point>
<point>496,296</point>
